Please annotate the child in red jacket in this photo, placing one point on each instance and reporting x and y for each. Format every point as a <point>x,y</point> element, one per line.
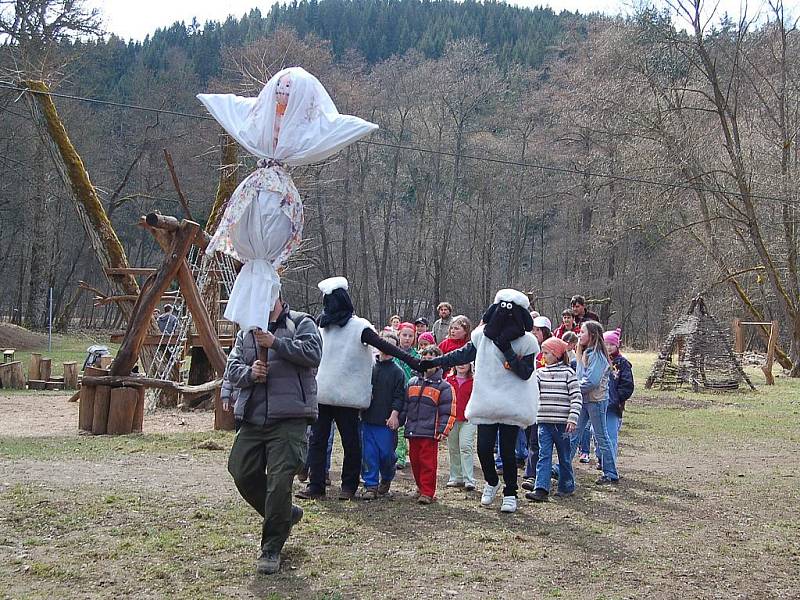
<point>461,441</point>
<point>429,412</point>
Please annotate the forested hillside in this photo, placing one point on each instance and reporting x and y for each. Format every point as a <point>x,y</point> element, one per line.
<point>623,159</point>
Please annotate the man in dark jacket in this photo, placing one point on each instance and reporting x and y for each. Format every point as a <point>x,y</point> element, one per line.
<point>275,403</point>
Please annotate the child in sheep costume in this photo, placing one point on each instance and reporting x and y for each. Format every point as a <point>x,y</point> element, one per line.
<point>504,395</point>
<point>344,385</point>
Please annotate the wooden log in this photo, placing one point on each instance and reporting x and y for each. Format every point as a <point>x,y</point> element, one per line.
<point>37,384</point>
<point>129,271</point>
<point>117,380</point>
<point>33,368</point>
<point>71,375</point>
<point>223,420</point>
<point>74,397</point>
<point>167,223</point>
<point>104,362</point>
<point>738,336</point>
<point>122,407</point>
<point>53,385</point>
<point>773,341</point>
<point>154,287</point>
<point>12,376</point>
<point>45,369</point>
<point>86,408</point>
<point>102,401</point>
<point>138,414</point>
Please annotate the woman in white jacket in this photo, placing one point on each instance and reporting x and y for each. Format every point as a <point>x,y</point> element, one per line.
<point>504,396</point>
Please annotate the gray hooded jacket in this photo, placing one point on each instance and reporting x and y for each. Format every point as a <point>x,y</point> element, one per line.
<point>291,387</point>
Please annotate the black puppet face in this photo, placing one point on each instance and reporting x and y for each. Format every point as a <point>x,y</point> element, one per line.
<point>508,318</point>
<point>337,307</point>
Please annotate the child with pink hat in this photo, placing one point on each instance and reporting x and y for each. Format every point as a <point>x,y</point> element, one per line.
<point>620,387</point>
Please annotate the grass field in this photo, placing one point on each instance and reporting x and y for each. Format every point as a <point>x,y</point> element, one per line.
<point>706,508</point>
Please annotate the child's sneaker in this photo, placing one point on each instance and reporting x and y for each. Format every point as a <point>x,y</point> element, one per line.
<point>424,500</point>
<point>538,495</point>
<point>529,484</point>
<point>605,480</point>
<point>453,483</point>
<point>369,493</point>
<point>383,488</point>
<point>489,493</point>
<point>584,458</point>
<point>509,504</point>
<point>469,487</point>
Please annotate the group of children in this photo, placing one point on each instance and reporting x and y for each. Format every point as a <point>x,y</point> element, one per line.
<point>583,382</point>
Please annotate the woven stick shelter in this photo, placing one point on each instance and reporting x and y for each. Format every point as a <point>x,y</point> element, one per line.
<point>698,351</point>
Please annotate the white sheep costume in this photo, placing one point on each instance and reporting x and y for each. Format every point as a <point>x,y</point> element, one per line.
<point>499,395</point>
<point>344,377</point>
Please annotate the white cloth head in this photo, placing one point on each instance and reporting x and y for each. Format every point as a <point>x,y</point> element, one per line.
<point>311,128</point>
<point>512,295</point>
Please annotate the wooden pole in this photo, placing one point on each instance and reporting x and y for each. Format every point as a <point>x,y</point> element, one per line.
<point>137,328</point>
<point>136,380</point>
<point>33,369</point>
<point>102,401</point>
<point>738,333</point>
<point>86,407</point>
<point>71,375</point>
<point>138,414</point>
<point>223,420</point>
<point>773,340</point>
<point>45,369</point>
<point>122,408</point>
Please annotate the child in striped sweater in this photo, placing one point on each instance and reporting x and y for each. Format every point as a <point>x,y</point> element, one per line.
<point>560,403</point>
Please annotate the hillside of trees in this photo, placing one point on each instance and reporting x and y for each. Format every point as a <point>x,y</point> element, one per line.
<point>625,159</point>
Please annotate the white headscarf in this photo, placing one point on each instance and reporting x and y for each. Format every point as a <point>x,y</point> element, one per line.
<point>263,222</point>
<point>311,129</point>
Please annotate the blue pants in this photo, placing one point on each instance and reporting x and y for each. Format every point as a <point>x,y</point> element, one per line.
<point>585,439</point>
<point>551,434</point>
<point>595,412</point>
<point>329,450</point>
<point>613,424</point>
<point>531,463</point>
<point>378,458</point>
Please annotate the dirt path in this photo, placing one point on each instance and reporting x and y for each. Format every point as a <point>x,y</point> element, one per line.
<point>45,414</point>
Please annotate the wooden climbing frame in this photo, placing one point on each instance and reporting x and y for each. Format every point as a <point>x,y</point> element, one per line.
<point>175,238</point>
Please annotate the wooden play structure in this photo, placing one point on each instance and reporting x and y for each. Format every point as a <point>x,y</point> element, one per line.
<point>115,399</point>
<point>698,351</point>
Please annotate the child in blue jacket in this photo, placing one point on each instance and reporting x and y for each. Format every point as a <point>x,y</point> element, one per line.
<point>593,369</point>
<point>620,387</point>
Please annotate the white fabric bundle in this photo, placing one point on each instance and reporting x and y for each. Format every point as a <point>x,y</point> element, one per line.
<point>263,222</point>
<point>498,394</point>
<point>344,377</point>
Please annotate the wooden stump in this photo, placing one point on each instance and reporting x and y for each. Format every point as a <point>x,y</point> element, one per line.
<point>86,408</point>
<point>70,375</point>
<point>121,410</point>
<point>105,361</point>
<point>53,385</point>
<point>102,401</point>
<point>138,415</point>
<point>37,384</point>
<point>8,355</point>
<point>11,376</point>
<point>33,369</point>
<point>223,420</point>
<point>45,369</point>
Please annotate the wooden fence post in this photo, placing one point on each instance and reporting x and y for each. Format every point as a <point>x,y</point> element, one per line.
<point>33,368</point>
<point>122,407</point>
<point>71,375</point>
